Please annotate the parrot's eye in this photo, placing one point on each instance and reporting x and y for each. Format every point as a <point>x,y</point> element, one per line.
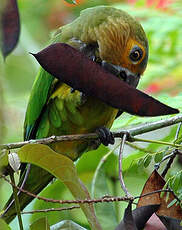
<point>136,54</point>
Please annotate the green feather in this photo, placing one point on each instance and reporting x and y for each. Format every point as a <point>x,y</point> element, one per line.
<point>54,115</point>
<point>38,99</point>
<point>61,108</point>
<point>44,126</point>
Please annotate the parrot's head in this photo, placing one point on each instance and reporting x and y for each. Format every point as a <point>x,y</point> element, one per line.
<point>114,39</point>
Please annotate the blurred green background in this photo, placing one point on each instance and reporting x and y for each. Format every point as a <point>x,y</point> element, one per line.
<point>162,22</point>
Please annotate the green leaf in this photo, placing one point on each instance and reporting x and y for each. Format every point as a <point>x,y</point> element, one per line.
<point>159,156</point>
<point>41,224</point>
<point>141,163</point>
<point>172,203</point>
<point>64,169</point>
<point>67,225</point>
<point>130,160</point>
<point>147,161</point>
<point>3,225</point>
<point>176,182</point>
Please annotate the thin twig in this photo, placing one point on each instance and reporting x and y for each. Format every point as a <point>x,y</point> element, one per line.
<point>99,200</point>
<point>104,199</point>
<point>157,142</point>
<point>174,154</point>
<point>153,192</point>
<point>120,167</point>
<point>50,210</point>
<point>139,148</point>
<point>147,127</point>
<point>178,130</point>
<point>169,163</point>
<point>90,136</point>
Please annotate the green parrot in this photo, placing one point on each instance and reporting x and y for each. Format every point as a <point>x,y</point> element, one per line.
<point>114,40</point>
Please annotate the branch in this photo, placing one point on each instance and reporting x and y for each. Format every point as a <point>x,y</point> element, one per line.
<point>50,210</point>
<point>121,180</point>
<point>172,157</point>
<point>86,201</point>
<point>147,127</point>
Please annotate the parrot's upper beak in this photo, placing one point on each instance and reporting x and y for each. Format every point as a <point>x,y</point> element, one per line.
<point>123,73</point>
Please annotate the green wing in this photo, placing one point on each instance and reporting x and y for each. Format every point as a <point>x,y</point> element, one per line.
<point>38,98</point>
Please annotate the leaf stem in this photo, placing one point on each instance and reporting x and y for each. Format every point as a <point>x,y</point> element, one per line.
<point>157,142</point>
<point>139,148</point>
<point>17,203</point>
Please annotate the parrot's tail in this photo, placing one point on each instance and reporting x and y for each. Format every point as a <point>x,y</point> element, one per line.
<point>37,180</point>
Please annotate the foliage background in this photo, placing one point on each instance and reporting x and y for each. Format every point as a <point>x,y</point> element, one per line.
<point>162,21</point>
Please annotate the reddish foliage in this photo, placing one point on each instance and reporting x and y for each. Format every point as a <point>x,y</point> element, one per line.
<point>154,183</point>
<point>155,3</point>
<point>153,88</point>
<point>10,27</point>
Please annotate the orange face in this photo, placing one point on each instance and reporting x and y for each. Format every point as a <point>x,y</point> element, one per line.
<point>119,45</point>
<point>134,57</point>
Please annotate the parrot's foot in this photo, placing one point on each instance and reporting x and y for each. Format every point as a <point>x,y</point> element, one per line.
<point>105,136</point>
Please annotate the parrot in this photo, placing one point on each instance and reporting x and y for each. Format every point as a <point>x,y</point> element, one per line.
<point>111,38</point>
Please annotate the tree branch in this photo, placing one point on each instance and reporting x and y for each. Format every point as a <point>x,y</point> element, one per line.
<point>147,127</point>
<point>86,201</point>
<point>50,210</point>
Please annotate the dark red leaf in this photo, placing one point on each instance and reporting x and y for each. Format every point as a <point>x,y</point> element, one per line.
<point>128,222</point>
<point>9,26</point>
<point>156,182</point>
<point>171,223</point>
<point>154,223</point>
<point>140,216</point>
<point>75,69</point>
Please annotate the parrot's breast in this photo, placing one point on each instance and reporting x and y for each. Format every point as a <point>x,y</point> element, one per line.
<point>73,113</point>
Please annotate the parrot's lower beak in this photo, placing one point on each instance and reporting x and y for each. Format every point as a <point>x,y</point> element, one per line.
<point>123,73</point>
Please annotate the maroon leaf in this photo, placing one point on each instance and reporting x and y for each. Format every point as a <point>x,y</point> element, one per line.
<point>9,26</point>
<point>156,182</point>
<point>154,223</point>
<point>75,69</point>
<point>171,223</point>
<point>128,222</point>
<point>140,216</point>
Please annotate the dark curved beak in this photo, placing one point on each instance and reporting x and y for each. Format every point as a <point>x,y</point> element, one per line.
<point>122,73</point>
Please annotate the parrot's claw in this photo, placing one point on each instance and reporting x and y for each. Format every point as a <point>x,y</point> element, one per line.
<point>105,136</point>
